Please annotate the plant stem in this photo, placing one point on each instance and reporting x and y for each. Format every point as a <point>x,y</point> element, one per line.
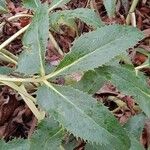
<point>13,37</point>
<point>13,79</point>
<point>8,59</point>
<point>31,105</point>
<point>17,88</point>
<point>9,54</point>
<point>15,17</point>
<point>132,9</point>
<point>55,44</point>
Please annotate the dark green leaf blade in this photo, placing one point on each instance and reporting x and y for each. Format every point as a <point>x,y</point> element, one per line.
<point>97,48</point>
<point>135,125</point>
<point>83,116</point>
<point>31,60</point>
<point>84,14</point>
<point>92,81</point>
<point>129,83</point>
<point>110,7</point>
<point>5,70</point>
<point>31,4</point>
<point>48,136</point>
<point>57,3</point>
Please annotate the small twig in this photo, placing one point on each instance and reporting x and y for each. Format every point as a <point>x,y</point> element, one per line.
<point>133,19</point>
<point>15,17</point>
<point>55,44</point>
<point>13,37</point>
<point>132,9</point>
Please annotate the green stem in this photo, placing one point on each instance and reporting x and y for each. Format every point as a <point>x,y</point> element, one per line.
<point>15,58</point>
<point>17,88</point>
<point>132,9</point>
<point>13,79</point>
<point>39,115</point>
<point>8,59</point>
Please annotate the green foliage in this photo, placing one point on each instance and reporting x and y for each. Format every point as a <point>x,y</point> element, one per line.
<point>3,8</point>
<point>5,70</point>
<point>35,40</point>
<point>82,115</point>
<point>135,125</point>
<point>57,3</point>
<point>72,109</point>
<point>92,81</point>
<point>48,136</point>
<point>97,48</point>
<point>67,17</point>
<point>31,4</point>
<point>110,6</point>
<point>124,77</point>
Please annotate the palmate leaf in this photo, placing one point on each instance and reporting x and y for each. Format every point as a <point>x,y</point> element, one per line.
<point>31,61</point>
<point>97,48</point>
<point>47,137</point>
<point>31,4</point>
<point>84,14</point>
<point>57,3</point>
<point>110,7</point>
<point>81,115</point>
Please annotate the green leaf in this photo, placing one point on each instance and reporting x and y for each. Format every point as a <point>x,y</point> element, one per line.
<point>5,70</point>
<point>31,4</point>
<point>48,135</point>
<point>92,81</point>
<point>86,15</point>
<point>126,80</point>
<point>81,115</point>
<point>135,125</point>
<point>135,144</point>
<point>110,6</point>
<point>3,7</point>
<point>31,61</point>
<point>57,3</point>
<point>97,48</point>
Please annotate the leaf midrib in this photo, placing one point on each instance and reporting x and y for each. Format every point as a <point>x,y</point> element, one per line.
<point>82,112</point>
<point>81,58</point>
